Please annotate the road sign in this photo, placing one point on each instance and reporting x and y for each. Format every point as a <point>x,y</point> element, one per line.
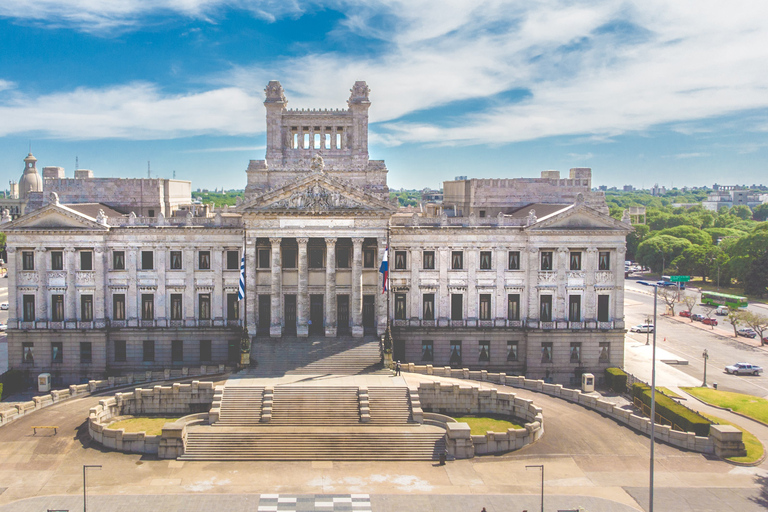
<point>679,279</point>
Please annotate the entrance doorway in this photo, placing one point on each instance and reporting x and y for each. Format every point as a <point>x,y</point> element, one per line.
<point>265,313</point>
<point>290,314</point>
<point>369,314</point>
<point>342,313</point>
<point>316,312</point>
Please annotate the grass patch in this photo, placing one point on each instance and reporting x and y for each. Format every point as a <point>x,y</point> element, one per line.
<point>751,406</point>
<point>668,392</point>
<point>479,425</point>
<point>753,445</point>
<point>152,426</point>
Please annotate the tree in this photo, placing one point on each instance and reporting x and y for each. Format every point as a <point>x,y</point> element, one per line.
<point>694,234</point>
<point>760,212</point>
<point>690,300</point>
<point>741,211</point>
<point>657,252</point>
<point>756,281</point>
<point>758,323</point>
<point>734,317</point>
<point>669,297</point>
<point>694,261</point>
<point>634,238</point>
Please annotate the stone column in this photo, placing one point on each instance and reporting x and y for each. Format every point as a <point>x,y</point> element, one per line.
<point>276,327</point>
<point>190,292</point>
<point>14,311</point>
<point>532,286</point>
<point>251,300</point>
<point>473,298</point>
<point>381,298</point>
<point>41,299</point>
<point>500,311</point>
<point>618,297</point>
<point>444,298</point>
<point>70,298</point>
<point>330,287</point>
<point>414,296</point>
<point>302,297</point>
<point>217,299</point>
<point>356,300</point>
<point>589,267</point>
<point>560,302</point>
<point>99,254</point>
<point>162,314</point>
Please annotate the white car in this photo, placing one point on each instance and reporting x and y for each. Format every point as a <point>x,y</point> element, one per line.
<point>4,306</point>
<point>3,327</point>
<point>744,368</point>
<point>642,328</point>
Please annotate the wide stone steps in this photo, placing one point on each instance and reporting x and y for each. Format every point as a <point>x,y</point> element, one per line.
<point>389,405</point>
<point>315,356</point>
<point>315,405</point>
<point>240,406</point>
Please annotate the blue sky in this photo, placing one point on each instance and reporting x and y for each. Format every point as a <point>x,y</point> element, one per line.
<point>642,91</point>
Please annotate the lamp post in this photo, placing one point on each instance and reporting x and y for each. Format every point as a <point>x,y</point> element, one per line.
<point>653,392</point>
<point>541,467</point>
<point>85,506</point>
<point>647,332</point>
<point>705,355</point>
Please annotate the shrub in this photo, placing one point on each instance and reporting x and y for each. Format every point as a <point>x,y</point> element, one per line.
<point>616,379</point>
<point>679,415</point>
<point>1,390</point>
<point>14,381</point>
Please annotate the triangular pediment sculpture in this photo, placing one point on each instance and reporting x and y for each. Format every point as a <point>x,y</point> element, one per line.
<point>55,216</point>
<point>579,217</point>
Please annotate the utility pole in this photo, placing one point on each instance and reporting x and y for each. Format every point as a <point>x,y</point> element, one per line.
<point>705,355</point>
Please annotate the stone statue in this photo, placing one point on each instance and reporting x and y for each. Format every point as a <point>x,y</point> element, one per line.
<point>101,218</point>
<point>532,219</point>
<point>53,198</point>
<point>317,164</point>
<point>625,218</point>
<point>6,216</point>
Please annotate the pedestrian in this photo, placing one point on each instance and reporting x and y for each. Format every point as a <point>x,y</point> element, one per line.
<point>397,368</point>
<point>483,510</point>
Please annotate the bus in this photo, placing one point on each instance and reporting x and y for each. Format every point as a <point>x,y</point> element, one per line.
<point>723,299</point>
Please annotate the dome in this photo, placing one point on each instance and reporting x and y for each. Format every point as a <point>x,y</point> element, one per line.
<point>30,181</point>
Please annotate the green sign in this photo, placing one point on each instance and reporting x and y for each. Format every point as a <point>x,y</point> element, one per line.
<point>679,279</point>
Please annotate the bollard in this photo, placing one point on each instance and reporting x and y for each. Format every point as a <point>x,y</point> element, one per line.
<point>442,459</point>
<point>714,385</point>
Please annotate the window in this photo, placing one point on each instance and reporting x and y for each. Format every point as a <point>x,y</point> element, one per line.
<point>602,308</point>
<point>118,306</point>
<point>482,214</point>
<point>177,351</point>
<point>574,308</point>
<point>428,258</point>
<point>400,313</point>
<point>485,260</point>
<point>605,352</point>
<point>150,213</point>
<point>28,312</point>
<point>546,260</point>
<point>118,260</point>
<point>233,307</point>
<point>575,261</point>
<point>57,308</point>
<point>513,306</point>
<point>86,308</point>
<point>457,306</point>
<point>429,306</point>
<point>57,352</point>
<point>514,260</point>
<point>147,260</point>
<point>455,357</point>
<point>399,260</point>
<point>175,260</point>
<point>233,260</point>
<point>485,306</point>
<point>604,260</point>
<point>511,351</point>
<point>27,260</point>
<point>86,352</point>
<point>342,257</point>
<point>264,260</point>
<point>204,260</point>
<point>28,352</point>
<point>205,350</point>
<point>204,306</point>
<point>576,352</point>
<point>485,351</point>
<point>57,260</point>
<point>457,260</point>
<point>316,255</point>
<point>545,308</point>
<point>369,258</point>
<point>147,306</point>
<point>148,354</point>
<point>427,351</point>
<point>86,260</point>
<point>289,256</point>
<point>176,307</point>
<point>120,351</point>
<point>546,352</point>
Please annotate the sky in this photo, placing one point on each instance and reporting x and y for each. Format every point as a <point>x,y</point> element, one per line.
<point>643,92</point>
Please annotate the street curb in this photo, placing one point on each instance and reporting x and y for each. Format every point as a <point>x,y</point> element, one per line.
<point>712,331</point>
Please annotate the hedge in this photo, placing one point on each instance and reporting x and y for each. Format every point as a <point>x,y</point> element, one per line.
<point>616,379</point>
<point>1,390</point>
<point>685,418</point>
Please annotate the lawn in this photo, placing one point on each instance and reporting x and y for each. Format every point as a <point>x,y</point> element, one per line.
<point>479,425</point>
<point>152,426</point>
<point>753,445</point>
<point>668,392</point>
<point>751,406</point>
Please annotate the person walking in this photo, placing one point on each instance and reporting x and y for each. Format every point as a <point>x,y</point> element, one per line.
<point>397,368</point>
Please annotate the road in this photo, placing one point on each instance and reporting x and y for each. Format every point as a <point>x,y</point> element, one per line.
<point>3,320</point>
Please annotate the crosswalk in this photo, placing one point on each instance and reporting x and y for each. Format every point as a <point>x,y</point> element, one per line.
<point>314,503</point>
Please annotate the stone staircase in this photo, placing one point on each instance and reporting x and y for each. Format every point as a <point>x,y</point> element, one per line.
<point>240,406</point>
<point>315,406</point>
<point>389,405</point>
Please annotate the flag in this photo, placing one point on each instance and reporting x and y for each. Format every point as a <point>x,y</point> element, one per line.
<point>241,287</point>
<point>384,269</point>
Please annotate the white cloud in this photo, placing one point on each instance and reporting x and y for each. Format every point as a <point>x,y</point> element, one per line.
<point>681,156</point>
<point>581,156</point>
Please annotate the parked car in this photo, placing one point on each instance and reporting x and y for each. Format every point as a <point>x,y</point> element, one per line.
<point>722,310</point>
<point>642,328</point>
<point>4,306</point>
<point>765,341</point>
<point>709,321</point>
<point>3,327</point>
<point>685,313</point>
<point>744,369</point>
<point>697,317</point>
<point>746,332</point>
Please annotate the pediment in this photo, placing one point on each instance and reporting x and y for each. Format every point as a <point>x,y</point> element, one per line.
<point>54,216</point>
<point>579,217</point>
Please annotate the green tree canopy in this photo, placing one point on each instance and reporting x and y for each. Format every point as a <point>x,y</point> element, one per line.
<point>694,235</point>
<point>760,212</point>
<point>659,251</point>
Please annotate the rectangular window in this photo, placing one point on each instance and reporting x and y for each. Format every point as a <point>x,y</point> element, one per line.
<point>118,306</point>
<point>86,260</point>
<point>148,355</point>
<point>118,260</point>
<point>57,308</point>
<point>605,352</point>
<point>546,352</point>
<point>317,141</point>
<point>399,260</point>
<point>147,260</point>
<point>177,351</point>
<point>205,351</point>
<point>455,354</point>
<point>327,138</point>
<point>575,261</point>
<point>482,214</point>
<point>233,307</point>
<point>233,260</point>
<point>204,306</point>
<point>400,313</point>
<point>457,260</point>
<point>290,257</point>
<point>86,352</point>
<point>428,258</point>
<point>485,260</point>
<point>546,260</point>
<point>316,255</point>
<point>342,257</point>
<point>545,308</point>
<point>603,314</point>
<point>57,352</point>
<point>147,306</point>
<point>369,258</point>
<point>120,351</point>
<point>514,260</point>
<point>485,306</point>
<point>28,313</point>
<point>27,260</point>
<point>204,260</point>
<point>574,308</point>
<point>264,259</point>
<point>177,313</point>
<point>429,306</point>
<point>604,261</point>
<point>457,306</point>
<point>511,351</point>
<point>576,352</point>
<point>175,260</point>
<point>484,351</point>
<point>86,308</point>
<point>28,352</point>
<point>513,306</point>
<point>57,260</point>
<point>427,351</point>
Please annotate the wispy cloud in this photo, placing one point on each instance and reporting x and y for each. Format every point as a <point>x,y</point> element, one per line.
<point>226,149</point>
<point>681,156</point>
<point>581,156</point>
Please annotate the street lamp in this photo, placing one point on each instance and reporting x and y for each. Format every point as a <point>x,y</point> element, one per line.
<point>705,355</point>
<point>653,391</point>
<point>541,467</point>
<point>85,509</point>
<point>647,332</point>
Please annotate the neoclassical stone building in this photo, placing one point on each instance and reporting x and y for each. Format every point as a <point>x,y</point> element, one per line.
<point>536,289</point>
